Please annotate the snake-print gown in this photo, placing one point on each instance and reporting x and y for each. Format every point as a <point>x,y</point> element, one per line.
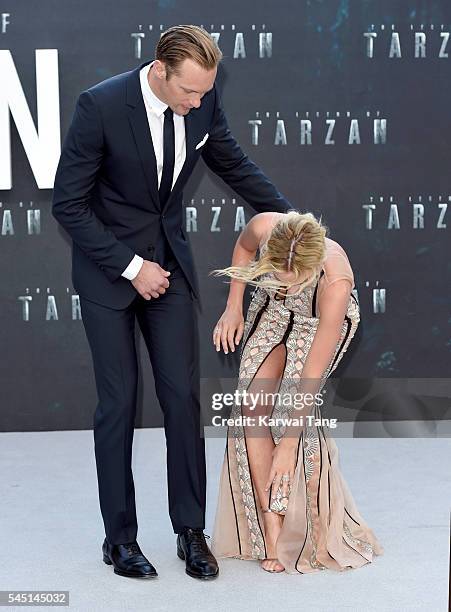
<point>322,528</point>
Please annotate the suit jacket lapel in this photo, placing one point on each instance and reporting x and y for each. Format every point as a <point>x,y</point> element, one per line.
<point>139,124</point>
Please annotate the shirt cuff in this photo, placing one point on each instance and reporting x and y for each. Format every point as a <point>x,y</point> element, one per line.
<point>131,271</point>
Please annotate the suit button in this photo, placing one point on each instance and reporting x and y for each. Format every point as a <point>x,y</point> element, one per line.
<point>150,248</point>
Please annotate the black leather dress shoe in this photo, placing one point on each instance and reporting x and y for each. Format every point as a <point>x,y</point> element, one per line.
<point>192,548</point>
<point>128,560</point>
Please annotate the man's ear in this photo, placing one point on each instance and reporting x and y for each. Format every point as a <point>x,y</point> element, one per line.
<point>160,69</point>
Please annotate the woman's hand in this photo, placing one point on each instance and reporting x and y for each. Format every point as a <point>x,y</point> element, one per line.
<point>283,462</point>
<point>229,329</point>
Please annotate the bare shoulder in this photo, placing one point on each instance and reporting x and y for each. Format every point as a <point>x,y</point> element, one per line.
<point>259,228</point>
<point>265,221</point>
<point>332,246</point>
<point>336,267</point>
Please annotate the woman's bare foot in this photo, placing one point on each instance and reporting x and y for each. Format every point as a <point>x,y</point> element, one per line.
<point>273,526</point>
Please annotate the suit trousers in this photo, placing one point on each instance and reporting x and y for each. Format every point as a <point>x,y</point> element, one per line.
<point>169,327</point>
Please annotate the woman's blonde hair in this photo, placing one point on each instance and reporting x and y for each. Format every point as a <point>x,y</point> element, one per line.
<point>296,244</point>
<point>187,42</point>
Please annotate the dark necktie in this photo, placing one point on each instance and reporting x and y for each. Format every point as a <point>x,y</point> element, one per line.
<point>168,157</point>
<point>163,252</point>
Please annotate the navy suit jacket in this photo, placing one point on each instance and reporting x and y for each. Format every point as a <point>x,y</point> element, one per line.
<point>106,186</point>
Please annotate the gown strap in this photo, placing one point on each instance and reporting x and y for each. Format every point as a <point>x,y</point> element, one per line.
<point>315,294</point>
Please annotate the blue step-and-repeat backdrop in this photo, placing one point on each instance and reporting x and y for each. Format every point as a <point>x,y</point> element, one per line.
<point>344,104</point>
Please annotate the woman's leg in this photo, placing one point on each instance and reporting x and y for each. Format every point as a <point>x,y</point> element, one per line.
<point>260,444</point>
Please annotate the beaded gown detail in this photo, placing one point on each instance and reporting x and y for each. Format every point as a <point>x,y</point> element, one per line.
<point>322,527</point>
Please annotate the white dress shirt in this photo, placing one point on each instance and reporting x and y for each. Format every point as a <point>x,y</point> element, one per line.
<point>155,115</point>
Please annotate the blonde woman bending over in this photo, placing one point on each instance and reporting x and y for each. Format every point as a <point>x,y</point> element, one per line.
<point>282,498</point>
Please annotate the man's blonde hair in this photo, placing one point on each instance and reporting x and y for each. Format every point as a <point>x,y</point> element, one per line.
<point>296,244</point>
<point>187,42</point>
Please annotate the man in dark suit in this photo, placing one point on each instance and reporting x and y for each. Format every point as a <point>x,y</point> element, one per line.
<point>132,145</point>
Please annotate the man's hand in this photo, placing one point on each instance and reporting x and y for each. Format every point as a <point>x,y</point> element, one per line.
<point>151,281</point>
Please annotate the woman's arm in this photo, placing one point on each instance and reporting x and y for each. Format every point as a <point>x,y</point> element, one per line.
<point>229,329</point>
<point>333,304</point>
<point>245,249</point>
